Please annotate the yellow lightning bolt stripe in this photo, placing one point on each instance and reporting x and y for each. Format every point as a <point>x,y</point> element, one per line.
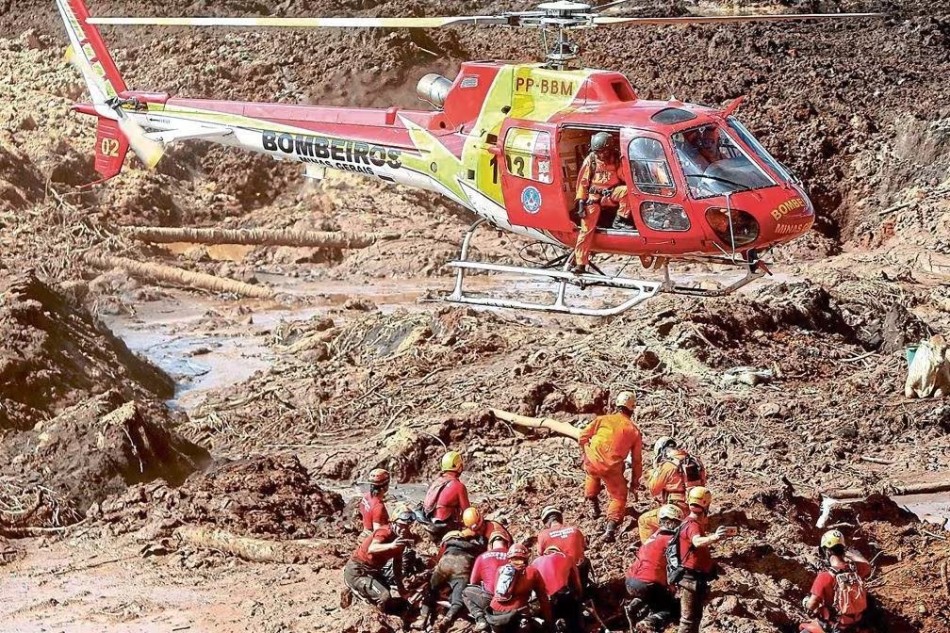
<point>448,167</point>
<point>527,106</point>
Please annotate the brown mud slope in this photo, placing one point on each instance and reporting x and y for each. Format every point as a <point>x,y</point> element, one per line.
<point>54,354</point>
<point>272,497</point>
<point>90,451</point>
<point>395,390</point>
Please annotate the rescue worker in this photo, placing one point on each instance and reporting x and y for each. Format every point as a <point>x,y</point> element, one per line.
<point>483,528</point>
<point>838,597</point>
<point>364,573</point>
<point>697,561</point>
<point>652,601</point>
<point>477,596</point>
<point>567,539</point>
<point>452,569</point>
<point>514,586</point>
<point>674,472</point>
<point>446,499</point>
<point>605,444</point>
<point>562,583</point>
<point>600,186</point>
<point>373,507</point>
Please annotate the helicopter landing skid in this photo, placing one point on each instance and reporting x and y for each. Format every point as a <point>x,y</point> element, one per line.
<point>639,290</point>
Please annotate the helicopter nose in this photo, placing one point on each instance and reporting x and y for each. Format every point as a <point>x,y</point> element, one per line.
<point>793,216</point>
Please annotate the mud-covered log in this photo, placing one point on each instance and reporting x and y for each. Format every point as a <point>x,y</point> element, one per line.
<point>252,549</point>
<point>262,237</point>
<point>844,494</point>
<point>177,276</point>
<point>561,428</point>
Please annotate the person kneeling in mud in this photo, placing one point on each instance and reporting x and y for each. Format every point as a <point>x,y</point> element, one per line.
<point>452,569</point>
<point>509,610</point>
<point>365,572</point>
<point>652,605</point>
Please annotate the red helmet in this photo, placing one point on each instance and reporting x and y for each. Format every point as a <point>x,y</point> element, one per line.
<point>518,550</point>
<point>379,477</point>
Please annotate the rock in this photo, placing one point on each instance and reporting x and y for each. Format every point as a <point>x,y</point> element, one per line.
<point>770,410</point>
<point>339,467</point>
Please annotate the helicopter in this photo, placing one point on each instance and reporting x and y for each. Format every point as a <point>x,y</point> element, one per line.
<point>504,140</point>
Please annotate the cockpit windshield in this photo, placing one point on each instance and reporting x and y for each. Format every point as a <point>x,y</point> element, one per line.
<point>713,164</point>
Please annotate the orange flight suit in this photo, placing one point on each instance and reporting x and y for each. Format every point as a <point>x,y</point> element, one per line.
<point>595,175</point>
<point>606,442</point>
<point>666,485</point>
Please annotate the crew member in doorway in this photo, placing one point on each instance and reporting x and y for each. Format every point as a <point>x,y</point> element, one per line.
<point>600,186</point>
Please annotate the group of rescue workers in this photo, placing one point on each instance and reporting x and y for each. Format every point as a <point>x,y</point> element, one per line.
<point>485,572</point>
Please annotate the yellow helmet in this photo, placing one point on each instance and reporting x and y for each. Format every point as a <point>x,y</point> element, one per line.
<point>471,518</point>
<point>671,512</point>
<point>626,400</point>
<point>452,462</point>
<point>662,444</point>
<point>831,538</point>
<point>699,496</point>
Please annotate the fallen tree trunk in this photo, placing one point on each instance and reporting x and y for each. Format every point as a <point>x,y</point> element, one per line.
<point>910,489</point>
<point>266,237</point>
<point>561,428</point>
<point>252,549</point>
<point>170,274</point>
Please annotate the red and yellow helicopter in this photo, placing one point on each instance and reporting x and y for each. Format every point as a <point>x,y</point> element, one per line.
<point>505,140</point>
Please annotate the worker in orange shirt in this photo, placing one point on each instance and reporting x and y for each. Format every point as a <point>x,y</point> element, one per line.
<point>674,472</point>
<point>600,185</point>
<point>605,444</point>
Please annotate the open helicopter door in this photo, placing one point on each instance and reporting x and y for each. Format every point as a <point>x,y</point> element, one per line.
<point>531,175</point>
<point>538,196</point>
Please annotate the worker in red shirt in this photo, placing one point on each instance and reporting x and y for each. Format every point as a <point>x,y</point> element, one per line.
<point>364,573</point>
<point>605,444</point>
<point>446,499</point>
<point>483,528</point>
<point>563,586</point>
<point>477,596</point>
<point>566,538</point>
<point>697,560</point>
<point>652,599</point>
<point>514,586</point>
<point>373,510</point>
<point>838,597</point>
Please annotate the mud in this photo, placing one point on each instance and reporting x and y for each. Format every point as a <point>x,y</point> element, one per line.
<point>297,403</point>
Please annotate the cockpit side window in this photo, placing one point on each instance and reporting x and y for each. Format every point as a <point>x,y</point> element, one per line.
<point>713,164</point>
<point>649,167</point>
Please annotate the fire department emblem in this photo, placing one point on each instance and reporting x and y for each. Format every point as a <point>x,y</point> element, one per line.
<point>531,200</point>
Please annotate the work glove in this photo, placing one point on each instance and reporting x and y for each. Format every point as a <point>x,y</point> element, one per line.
<point>579,212</point>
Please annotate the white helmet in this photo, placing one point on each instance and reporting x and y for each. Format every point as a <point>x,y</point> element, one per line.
<point>626,400</point>
<point>662,444</point>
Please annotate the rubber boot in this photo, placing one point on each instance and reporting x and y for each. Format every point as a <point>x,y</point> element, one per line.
<point>610,534</point>
<point>593,507</point>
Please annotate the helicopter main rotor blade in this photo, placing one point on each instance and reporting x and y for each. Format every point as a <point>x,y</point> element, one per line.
<point>611,5</point>
<point>724,19</point>
<point>418,23</point>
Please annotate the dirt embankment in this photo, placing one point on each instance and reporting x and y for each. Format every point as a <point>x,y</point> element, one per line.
<point>55,354</point>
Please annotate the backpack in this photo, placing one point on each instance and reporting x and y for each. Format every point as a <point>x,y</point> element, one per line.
<point>505,583</point>
<point>674,558</point>
<point>693,471</point>
<point>851,598</point>
<point>432,498</point>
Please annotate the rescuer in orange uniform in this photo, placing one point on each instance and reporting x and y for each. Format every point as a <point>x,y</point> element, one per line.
<point>600,185</point>
<point>605,444</point>
<point>674,472</point>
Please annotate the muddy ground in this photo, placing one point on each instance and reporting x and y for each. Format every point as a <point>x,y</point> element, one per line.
<point>130,412</point>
